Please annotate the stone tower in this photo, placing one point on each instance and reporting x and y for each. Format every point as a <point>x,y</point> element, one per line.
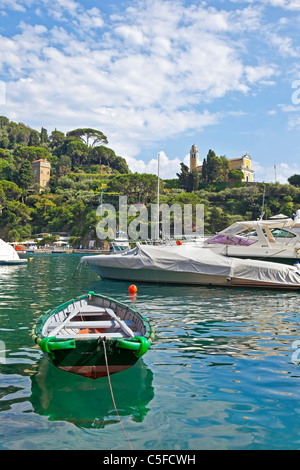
<point>194,157</point>
<point>41,172</point>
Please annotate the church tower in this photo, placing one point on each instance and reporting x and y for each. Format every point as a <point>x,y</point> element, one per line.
<point>194,157</point>
<point>41,173</point>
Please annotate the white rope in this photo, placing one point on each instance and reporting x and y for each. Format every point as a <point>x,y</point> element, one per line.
<point>112,395</point>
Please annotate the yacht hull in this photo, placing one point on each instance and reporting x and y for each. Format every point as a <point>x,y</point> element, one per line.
<point>182,278</point>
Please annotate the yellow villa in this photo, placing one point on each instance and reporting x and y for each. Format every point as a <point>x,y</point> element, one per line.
<point>244,164</point>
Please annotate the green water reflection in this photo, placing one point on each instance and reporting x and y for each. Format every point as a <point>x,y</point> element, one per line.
<point>88,403</point>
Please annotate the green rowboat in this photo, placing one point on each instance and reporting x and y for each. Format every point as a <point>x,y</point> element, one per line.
<point>93,335</point>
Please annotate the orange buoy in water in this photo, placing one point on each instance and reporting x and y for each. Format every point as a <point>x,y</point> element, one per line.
<point>178,242</point>
<point>132,289</point>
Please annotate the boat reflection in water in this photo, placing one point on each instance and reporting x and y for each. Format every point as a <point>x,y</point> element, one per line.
<point>61,396</point>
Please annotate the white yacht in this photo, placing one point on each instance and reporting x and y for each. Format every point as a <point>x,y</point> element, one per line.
<point>273,239</point>
<point>192,265</point>
<point>8,255</point>
<point>120,243</point>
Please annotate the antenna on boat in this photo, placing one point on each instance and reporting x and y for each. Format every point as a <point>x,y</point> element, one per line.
<point>263,205</point>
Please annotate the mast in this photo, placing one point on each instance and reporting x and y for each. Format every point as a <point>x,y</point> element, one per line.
<point>263,205</point>
<point>157,234</point>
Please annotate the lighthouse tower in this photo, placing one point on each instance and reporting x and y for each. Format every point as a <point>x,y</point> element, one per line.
<point>194,157</point>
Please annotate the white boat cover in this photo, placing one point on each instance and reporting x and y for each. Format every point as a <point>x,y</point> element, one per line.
<point>193,259</point>
<point>7,252</point>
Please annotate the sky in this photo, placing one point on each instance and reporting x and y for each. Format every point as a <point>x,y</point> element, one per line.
<point>157,76</point>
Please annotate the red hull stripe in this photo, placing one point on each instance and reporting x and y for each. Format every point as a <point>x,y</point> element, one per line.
<point>93,372</point>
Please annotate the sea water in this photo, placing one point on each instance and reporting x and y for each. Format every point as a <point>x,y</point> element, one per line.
<point>222,373</point>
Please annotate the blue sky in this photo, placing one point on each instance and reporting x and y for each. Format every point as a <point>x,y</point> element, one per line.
<point>159,76</point>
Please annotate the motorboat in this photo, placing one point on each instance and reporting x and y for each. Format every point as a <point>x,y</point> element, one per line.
<point>120,243</point>
<point>273,240</point>
<point>8,255</point>
<point>20,248</point>
<point>192,265</point>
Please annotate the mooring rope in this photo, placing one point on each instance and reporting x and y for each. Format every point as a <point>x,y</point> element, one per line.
<point>79,266</point>
<point>112,395</point>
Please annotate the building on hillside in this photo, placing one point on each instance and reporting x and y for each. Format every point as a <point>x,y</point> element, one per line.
<point>194,158</point>
<point>244,164</point>
<point>41,173</point>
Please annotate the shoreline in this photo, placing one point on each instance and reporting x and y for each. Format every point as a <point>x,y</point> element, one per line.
<point>72,250</point>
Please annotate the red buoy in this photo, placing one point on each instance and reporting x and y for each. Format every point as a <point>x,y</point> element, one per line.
<point>132,288</point>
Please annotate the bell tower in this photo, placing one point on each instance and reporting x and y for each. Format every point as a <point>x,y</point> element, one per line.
<point>194,157</point>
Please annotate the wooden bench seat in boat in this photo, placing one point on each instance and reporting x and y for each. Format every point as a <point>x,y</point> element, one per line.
<point>91,324</point>
<point>120,334</point>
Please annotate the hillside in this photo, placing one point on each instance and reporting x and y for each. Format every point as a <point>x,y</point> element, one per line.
<point>82,165</point>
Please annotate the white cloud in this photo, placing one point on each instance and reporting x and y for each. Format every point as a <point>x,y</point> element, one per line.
<point>279,171</point>
<point>16,5</point>
<point>167,167</point>
<point>259,73</point>
<point>83,19</point>
<point>292,5</point>
<point>284,44</point>
<point>293,115</point>
<point>147,74</point>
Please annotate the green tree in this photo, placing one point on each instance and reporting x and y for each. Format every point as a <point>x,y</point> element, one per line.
<point>64,165</point>
<point>213,166</point>
<point>4,121</point>
<point>217,220</point>
<point>32,153</point>
<point>235,175</point>
<point>34,139</point>
<point>224,168</point>
<point>204,170</point>
<point>25,177</point>
<point>120,165</point>
<point>44,136</point>
<point>56,139</point>
<point>11,190</point>
<point>183,176</point>
<point>2,199</point>
<point>214,169</point>
<point>4,142</point>
<point>89,136</point>
<point>193,181</point>
<point>294,180</point>
<point>78,152</point>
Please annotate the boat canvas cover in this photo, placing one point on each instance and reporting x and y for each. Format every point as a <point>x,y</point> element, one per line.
<point>191,259</point>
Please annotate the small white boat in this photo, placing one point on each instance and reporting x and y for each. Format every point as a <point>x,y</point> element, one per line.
<point>120,243</point>
<point>192,265</point>
<point>8,255</point>
<point>72,335</point>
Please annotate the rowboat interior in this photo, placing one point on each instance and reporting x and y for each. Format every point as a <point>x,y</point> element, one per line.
<point>91,318</point>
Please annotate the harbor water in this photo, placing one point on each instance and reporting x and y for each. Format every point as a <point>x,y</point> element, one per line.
<point>222,374</point>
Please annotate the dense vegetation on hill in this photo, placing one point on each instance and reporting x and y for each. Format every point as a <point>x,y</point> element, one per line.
<point>82,165</point>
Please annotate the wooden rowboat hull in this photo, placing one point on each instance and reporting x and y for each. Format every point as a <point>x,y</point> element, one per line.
<point>92,352</point>
<point>93,372</point>
<point>88,358</point>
